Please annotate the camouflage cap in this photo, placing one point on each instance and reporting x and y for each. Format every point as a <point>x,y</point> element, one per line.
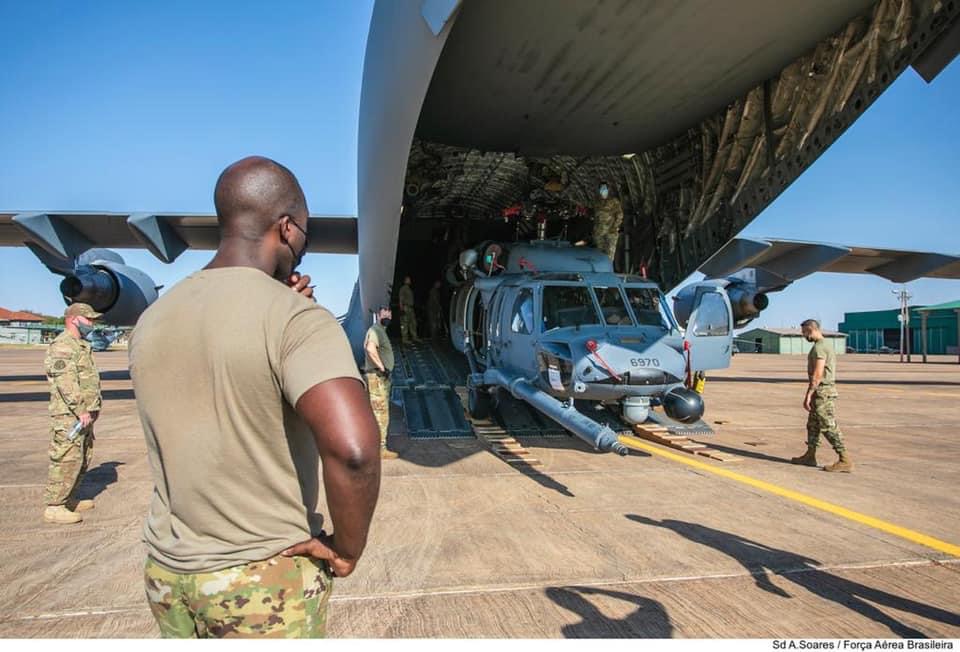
<point>82,310</point>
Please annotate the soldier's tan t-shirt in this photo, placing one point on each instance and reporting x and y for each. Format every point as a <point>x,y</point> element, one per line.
<point>823,349</point>
<point>218,362</point>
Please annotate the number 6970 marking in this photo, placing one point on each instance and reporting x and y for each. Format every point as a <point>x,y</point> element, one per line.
<point>645,362</point>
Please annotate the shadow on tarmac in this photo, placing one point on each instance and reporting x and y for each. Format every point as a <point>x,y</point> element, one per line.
<point>96,480</point>
<point>437,453</point>
<point>746,453</point>
<point>759,559</point>
<point>650,620</point>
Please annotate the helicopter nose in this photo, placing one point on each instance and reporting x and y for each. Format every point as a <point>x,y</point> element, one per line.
<point>614,364</point>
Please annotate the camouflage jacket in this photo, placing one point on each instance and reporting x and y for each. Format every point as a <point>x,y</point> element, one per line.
<point>433,301</point>
<point>608,215</point>
<point>406,296</point>
<point>73,376</point>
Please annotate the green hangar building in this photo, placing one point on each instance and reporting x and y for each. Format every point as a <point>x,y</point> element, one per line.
<point>879,330</point>
<point>784,341</point>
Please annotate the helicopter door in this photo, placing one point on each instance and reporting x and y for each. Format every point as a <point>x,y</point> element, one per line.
<point>494,339</point>
<point>710,329</point>
<point>518,329</point>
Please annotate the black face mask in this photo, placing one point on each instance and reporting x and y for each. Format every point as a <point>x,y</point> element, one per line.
<point>298,257</point>
<point>385,322</point>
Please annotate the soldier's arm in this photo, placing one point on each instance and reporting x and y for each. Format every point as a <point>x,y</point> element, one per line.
<point>348,438</point>
<point>372,347</point>
<point>89,380</point>
<point>817,376</point>
<point>319,377</point>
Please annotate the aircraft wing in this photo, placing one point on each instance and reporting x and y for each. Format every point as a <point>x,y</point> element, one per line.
<point>165,235</point>
<point>780,262</point>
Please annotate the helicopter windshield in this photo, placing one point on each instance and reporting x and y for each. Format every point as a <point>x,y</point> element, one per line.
<point>611,305</point>
<point>567,305</point>
<point>648,307</point>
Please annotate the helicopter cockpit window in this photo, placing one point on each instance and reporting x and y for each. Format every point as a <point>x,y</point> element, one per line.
<point>522,320</point>
<point>647,307</point>
<point>567,305</point>
<point>612,306</point>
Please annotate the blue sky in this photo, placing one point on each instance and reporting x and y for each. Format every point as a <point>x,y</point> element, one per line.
<point>138,106</point>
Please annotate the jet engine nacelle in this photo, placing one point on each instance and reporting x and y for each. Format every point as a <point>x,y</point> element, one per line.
<point>119,291</point>
<point>746,302</point>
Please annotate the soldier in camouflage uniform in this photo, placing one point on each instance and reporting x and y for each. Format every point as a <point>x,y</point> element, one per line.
<point>408,314</point>
<point>821,400</point>
<point>280,597</point>
<point>74,398</point>
<point>377,368</point>
<point>607,218</point>
<point>435,311</point>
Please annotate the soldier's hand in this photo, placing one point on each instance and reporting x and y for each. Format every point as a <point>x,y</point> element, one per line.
<point>86,419</point>
<point>807,403</point>
<point>321,547</point>
<point>301,285</point>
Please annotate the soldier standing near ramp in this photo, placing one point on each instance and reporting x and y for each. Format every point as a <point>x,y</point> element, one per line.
<point>435,311</point>
<point>408,313</point>
<point>74,399</point>
<point>377,369</point>
<point>821,401</point>
<point>607,218</point>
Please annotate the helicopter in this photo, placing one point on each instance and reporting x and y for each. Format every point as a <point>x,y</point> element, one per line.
<point>553,325</point>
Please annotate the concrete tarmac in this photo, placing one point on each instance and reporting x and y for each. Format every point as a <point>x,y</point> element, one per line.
<point>594,545</point>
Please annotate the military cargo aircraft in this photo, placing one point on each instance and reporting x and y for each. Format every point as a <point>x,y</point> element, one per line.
<point>493,121</point>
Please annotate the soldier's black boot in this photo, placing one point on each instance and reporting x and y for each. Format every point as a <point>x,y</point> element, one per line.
<point>842,465</point>
<point>807,459</point>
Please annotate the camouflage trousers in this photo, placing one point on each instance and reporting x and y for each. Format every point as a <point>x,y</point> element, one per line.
<point>822,419</point>
<point>379,390</point>
<point>408,325</point>
<point>280,597</point>
<point>605,240</point>
<point>69,460</point>
<point>435,321</point>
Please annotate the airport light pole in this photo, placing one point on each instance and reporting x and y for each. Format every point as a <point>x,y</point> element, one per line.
<point>904,297</point>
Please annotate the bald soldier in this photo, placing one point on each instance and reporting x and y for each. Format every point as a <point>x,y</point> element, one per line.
<point>820,401</point>
<point>74,407</point>
<point>244,387</point>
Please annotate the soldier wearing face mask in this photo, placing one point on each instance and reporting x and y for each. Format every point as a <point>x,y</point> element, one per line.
<point>377,368</point>
<point>74,402</point>
<point>608,216</point>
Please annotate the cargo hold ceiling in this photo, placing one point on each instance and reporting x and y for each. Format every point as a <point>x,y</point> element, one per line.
<point>562,77</point>
<point>699,114</point>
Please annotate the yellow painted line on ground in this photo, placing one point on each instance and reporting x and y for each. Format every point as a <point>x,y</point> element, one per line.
<point>884,526</point>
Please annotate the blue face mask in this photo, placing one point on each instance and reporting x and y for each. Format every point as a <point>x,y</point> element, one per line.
<point>85,330</point>
<point>604,192</point>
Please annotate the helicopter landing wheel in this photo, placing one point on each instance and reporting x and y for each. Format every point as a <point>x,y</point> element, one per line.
<point>478,403</point>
